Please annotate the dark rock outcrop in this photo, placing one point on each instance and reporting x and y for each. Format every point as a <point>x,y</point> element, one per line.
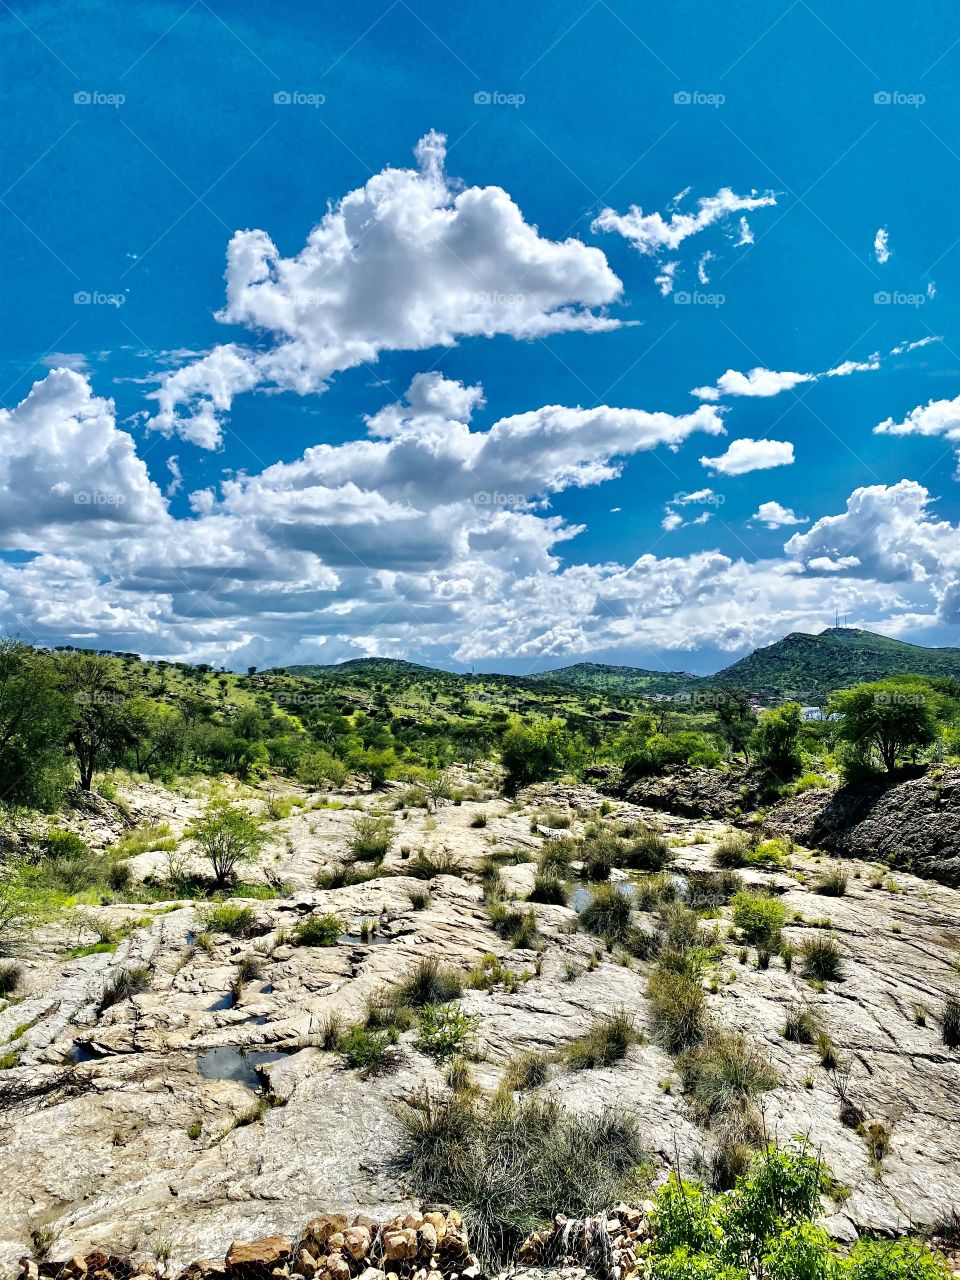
<point>911,823</point>
<point>697,793</point>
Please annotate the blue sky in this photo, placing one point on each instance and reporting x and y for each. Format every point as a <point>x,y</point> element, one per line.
<point>139,142</point>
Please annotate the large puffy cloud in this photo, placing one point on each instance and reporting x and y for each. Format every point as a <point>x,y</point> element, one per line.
<point>886,533</point>
<point>750,455</point>
<point>409,261</point>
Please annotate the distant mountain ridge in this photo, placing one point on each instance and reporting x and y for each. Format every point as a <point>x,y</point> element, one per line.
<point>803,666</point>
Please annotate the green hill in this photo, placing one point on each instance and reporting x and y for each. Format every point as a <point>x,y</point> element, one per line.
<point>623,680</point>
<point>809,667</point>
<point>364,668</point>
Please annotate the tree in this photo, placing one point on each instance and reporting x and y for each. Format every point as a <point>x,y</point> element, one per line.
<point>96,732</point>
<point>227,836</point>
<point>155,733</point>
<point>887,718</point>
<point>32,719</point>
<point>776,741</point>
<point>530,753</point>
<point>736,718</point>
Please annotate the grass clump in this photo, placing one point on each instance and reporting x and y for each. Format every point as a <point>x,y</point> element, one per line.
<point>648,851</point>
<point>371,837</point>
<point>802,1025</point>
<point>124,986</point>
<point>950,1022</point>
<point>732,851</point>
<point>759,918</point>
<point>318,931</point>
<point>368,1050</point>
<point>526,1071</point>
<point>226,917</point>
<point>510,1165</point>
<point>607,914</point>
<point>724,1074</point>
<point>11,975</point>
<point>343,876</point>
<point>679,1008</point>
<point>430,982</point>
<point>427,866</point>
<point>556,854</point>
<point>518,927</point>
<point>151,838</point>
<point>822,959</point>
<point>834,883</point>
<point>548,889</point>
<point>605,1043</point>
<point>419,899</point>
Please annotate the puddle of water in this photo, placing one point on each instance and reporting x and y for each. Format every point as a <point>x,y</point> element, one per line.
<point>374,940</point>
<point>83,1051</point>
<point>267,990</point>
<point>191,938</point>
<point>225,1001</point>
<point>229,1063</point>
<point>583,891</point>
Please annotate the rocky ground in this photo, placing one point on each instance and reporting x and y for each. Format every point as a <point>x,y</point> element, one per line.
<point>135,1127</point>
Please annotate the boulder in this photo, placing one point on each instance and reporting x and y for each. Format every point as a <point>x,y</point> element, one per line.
<point>259,1258</point>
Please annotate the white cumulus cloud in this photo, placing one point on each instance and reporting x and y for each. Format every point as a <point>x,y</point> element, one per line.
<point>881,245</point>
<point>750,455</point>
<point>775,516</point>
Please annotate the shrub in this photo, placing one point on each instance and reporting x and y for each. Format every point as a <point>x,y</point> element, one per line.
<point>802,1252</point>
<point>822,959</point>
<point>509,1165</point>
<point>548,889</point>
<point>526,1071</point>
<point>723,1074</point>
<point>367,1050</point>
<point>679,1009</point>
<point>895,1260</point>
<point>607,914</point>
<point>950,1022</point>
<point>238,922</point>
<point>605,1043</point>
<point>227,836</point>
<point>759,918</point>
<point>834,883</point>
<point>371,837</point>
<point>445,1031</point>
<point>318,931</point>
<point>11,975</point>
<point>430,982</point>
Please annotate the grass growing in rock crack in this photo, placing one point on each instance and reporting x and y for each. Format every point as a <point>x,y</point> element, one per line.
<point>802,1025</point>
<point>419,899</point>
<point>445,1031</point>
<point>607,914</point>
<point>648,851</point>
<point>518,927</point>
<point>430,982</point>
<point>723,1074</point>
<point>548,889</point>
<point>510,1165</point>
<point>371,837</point>
<point>759,918</point>
<point>526,1070</point>
<point>11,975</point>
<point>679,1009</point>
<point>556,854</point>
<point>427,866</point>
<point>124,985</point>
<point>950,1022</point>
<point>318,931</point>
<point>822,959</point>
<point>605,1043</point>
<point>226,917</point>
<point>368,1050</point>
<point>834,883</point>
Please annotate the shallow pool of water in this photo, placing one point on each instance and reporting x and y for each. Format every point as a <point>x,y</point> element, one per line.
<point>583,891</point>
<point>83,1051</point>
<point>230,1063</point>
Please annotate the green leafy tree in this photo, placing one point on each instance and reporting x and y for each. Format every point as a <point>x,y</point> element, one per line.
<point>33,718</point>
<point>776,741</point>
<point>96,732</point>
<point>155,733</point>
<point>736,718</point>
<point>531,752</point>
<point>227,836</point>
<point>887,719</point>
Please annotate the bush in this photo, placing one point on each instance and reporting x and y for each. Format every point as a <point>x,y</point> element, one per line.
<point>607,914</point>
<point>549,890</point>
<point>445,1031</point>
<point>950,1022</point>
<point>228,918</point>
<point>679,1009</point>
<point>895,1260</point>
<point>822,959</point>
<point>430,982</point>
<point>724,1074</point>
<point>371,837</point>
<point>834,883</point>
<point>318,931</point>
<point>526,1071</point>
<point>605,1043</point>
<point>509,1165</point>
<point>227,836</point>
<point>759,918</point>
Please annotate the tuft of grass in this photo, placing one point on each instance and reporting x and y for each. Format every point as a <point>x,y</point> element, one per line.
<point>445,1031</point>
<point>834,883</point>
<point>679,1009</point>
<point>822,959</point>
<point>556,854</point>
<point>346,874</point>
<point>526,1071</point>
<point>430,983</point>
<point>419,899</point>
<point>479,820</point>
<point>732,851</point>
<point>318,931</point>
<point>950,1022</point>
<point>508,1165</point>
<point>607,914</point>
<point>368,1051</point>
<point>226,917</point>
<point>151,838</point>
<point>331,1032</point>
<point>648,851</point>
<point>519,927</point>
<point>194,1130</point>
<point>802,1025</point>
<point>427,866</point>
<point>722,1075</point>
<point>124,986</point>
<point>605,1043</point>
<point>11,975</point>
<point>371,837</point>
<point>548,889</point>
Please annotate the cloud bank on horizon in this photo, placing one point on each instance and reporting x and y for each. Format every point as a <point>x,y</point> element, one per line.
<point>435,533</point>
